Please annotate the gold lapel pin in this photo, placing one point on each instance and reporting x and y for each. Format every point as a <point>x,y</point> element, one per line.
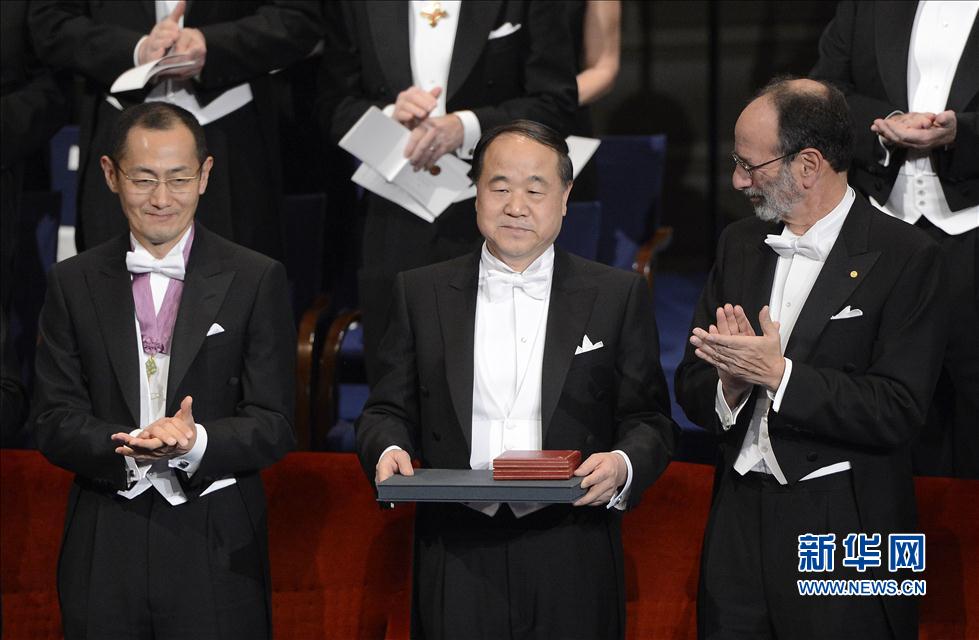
<point>854,274</point>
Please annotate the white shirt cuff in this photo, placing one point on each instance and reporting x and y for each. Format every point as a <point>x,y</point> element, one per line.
<point>725,413</point>
<point>776,397</point>
<point>190,461</point>
<point>136,471</point>
<point>886,161</point>
<point>391,448</point>
<point>621,499</point>
<point>136,51</point>
<point>471,133</point>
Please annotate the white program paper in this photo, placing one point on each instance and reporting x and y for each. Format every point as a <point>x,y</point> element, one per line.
<point>581,150</point>
<point>137,77</point>
<point>379,142</point>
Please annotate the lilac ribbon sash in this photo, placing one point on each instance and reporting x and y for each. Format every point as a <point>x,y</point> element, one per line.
<point>157,328</point>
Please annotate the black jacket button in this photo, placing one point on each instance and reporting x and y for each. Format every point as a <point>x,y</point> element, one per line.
<point>812,456</point>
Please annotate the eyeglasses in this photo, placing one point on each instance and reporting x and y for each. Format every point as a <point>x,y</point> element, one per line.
<point>748,168</point>
<point>179,184</point>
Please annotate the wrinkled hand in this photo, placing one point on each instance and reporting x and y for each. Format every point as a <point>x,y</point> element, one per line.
<point>750,359</point>
<point>163,36</point>
<point>732,321</point>
<point>165,438</point>
<point>433,138</point>
<point>922,131</point>
<point>192,45</point>
<point>394,461</point>
<point>414,104</point>
<point>603,474</point>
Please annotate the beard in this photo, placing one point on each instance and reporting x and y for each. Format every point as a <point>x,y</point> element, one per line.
<point>776,199</point>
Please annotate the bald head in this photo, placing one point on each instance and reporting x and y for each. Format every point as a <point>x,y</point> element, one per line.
<point>810,114</point>
<point>793,145</point>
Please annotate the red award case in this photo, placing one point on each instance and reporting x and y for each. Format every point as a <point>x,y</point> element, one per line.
<point>536,465</point>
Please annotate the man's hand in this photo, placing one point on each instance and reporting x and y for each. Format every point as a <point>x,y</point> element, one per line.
<point>603,474</point>
<point>433,138</point>
<point>413,105</point>
<point>749,358</point>
<point>191,44</point>
<point>732,321</point>
<point>162,37</point>
<point>165,438</point>
<point>392,462</point>
<point>922,131</point>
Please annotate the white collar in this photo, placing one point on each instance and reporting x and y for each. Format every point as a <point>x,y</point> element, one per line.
<point>177,251</point>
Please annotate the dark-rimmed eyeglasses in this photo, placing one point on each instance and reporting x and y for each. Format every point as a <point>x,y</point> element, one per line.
<point>177,184</point>
<point>748,168</point>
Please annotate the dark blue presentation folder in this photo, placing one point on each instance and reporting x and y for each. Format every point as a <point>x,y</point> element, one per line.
<point>467,485</point>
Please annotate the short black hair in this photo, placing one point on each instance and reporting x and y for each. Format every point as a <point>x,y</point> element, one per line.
<point>819,119</point>
<point>528,129</point>
<point>158,116</point>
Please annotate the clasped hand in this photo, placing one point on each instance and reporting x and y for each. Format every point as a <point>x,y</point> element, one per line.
<point>741,357</point>
<point>922,131</point>
<point>167,37</point>
<point>165,438</point>
<point>431,136</point>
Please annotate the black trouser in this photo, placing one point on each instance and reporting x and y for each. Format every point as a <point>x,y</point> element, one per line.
<point>144,569</point>
<point>750,562</point>
<point>554,574</point>
<point>949,442</point>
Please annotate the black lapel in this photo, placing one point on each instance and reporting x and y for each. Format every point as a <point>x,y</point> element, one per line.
<point>759,274</point>
<point>965,84</point>
<point>570,308</point>
<point>389,29</point>
<point>111,289</point>
<point>456,302</point>
<point>205,286</point>
<point>476,20</point>
<point>846,267</point>
<point>893,22</point>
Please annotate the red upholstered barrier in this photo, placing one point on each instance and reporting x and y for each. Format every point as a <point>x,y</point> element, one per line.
<point>340,566</point>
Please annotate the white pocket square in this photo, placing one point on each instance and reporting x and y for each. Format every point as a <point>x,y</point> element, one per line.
<point>586,346</point>
<point>215,329</point>
<point>503,31</point>
<point>847,312</point>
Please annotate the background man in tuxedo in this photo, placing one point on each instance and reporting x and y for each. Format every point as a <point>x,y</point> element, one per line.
<point>813,358</point>
<point>448,73</point>
<point>165,391</point>
<point>909,72</point>
<point>233,46</point>
<point>520,346</point>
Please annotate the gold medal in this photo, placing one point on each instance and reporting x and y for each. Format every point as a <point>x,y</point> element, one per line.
<point>434,14</point>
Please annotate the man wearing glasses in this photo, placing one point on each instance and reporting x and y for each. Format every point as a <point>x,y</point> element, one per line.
<point>813,357</point>
<point>164,383</point>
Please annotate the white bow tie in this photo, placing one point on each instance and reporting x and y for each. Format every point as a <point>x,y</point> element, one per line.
<point>806,246</point>
<point>500,284</point>
<point>171,266</point>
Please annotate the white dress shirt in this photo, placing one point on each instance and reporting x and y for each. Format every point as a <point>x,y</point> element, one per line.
<point>430,52</point>
<point>152,406</point>
<point>794,279</point>
<point>182,92</point>
<point>938,38</point>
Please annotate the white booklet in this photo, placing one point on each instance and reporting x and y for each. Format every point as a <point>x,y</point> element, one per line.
<point>379,142</point>
<point>137,77</point>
